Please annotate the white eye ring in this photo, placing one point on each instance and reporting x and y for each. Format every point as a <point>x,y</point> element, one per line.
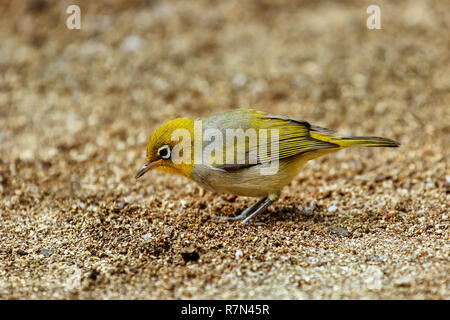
<point>167,149</point>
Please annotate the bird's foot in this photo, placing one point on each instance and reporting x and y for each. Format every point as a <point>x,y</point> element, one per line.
<point>244,213</point>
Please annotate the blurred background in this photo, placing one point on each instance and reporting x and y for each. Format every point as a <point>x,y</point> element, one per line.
<point>77,108</point>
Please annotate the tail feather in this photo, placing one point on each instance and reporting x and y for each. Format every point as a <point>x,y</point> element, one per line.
<point>351,141</point>
<point>364,142</point>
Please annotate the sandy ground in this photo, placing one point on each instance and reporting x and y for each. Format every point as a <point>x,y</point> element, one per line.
<point>77,108</point>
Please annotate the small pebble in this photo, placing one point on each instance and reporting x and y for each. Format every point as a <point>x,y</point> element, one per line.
<point>132,43</point>
<point>309,209</point>
<point>22,252</point>
<point>341,231</point>
<point>239,80</point>
<point>147,236</point>
<point>46,252</point>
<point>332,208</point>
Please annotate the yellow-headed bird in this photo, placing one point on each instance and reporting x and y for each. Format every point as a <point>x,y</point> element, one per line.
<point>244,152</point>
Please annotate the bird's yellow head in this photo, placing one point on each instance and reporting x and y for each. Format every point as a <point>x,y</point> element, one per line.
<point>162,151</point>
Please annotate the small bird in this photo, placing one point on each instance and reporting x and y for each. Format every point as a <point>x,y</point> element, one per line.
<point>285,141</point>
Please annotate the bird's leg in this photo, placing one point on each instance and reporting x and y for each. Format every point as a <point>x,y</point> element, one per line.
<point>270,199</point>
<point>246,212</point>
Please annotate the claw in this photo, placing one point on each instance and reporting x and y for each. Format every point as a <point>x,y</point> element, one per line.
<point>256,208</point>
<point>244,213</point>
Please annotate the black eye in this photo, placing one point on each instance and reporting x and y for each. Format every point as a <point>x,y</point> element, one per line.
<point>164,152</point>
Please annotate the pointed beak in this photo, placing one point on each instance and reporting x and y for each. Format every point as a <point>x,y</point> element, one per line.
<point>146,167</point>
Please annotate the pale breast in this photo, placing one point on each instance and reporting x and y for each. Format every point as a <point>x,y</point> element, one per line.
<point>249,181</point>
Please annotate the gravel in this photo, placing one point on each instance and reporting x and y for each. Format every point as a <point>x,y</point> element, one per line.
<point>77,108</point>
